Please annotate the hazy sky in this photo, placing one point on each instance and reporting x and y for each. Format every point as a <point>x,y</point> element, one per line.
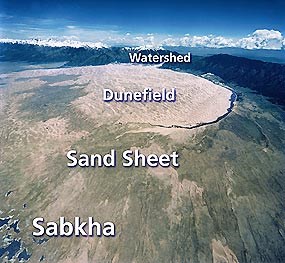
<point>93,20</point>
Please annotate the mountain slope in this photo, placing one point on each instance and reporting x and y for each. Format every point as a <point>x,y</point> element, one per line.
<point>266,78</point>
<point>74,56</point>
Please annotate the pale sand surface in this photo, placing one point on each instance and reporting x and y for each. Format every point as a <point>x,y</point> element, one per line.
<point>198,100</point>
<point>222,254</point>
<point>34,165</point>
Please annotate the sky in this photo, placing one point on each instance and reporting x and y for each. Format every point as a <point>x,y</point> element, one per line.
<point>248,24</point>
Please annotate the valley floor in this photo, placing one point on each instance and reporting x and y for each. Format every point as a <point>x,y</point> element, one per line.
<point>225,202</point>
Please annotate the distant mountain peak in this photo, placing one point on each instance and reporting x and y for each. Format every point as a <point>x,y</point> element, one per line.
<point>148,47</point>
<point>55,43</point>
<point>51,42</point>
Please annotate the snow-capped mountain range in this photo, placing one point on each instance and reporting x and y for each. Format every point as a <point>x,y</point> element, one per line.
<point>55,43</point>
<point>245,72</point>
<point>71,43</point>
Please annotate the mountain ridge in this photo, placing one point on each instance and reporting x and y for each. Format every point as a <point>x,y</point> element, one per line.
<point>266,78</point>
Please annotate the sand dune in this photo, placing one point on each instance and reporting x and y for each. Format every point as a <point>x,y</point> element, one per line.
<point>198,100</point>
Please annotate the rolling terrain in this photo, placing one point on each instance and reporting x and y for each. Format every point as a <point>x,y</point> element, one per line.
<point>225,202</point>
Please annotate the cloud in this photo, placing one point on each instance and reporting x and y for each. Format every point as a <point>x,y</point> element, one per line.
<point>169,42</point>
<point>55,43</point>
<point>5,16</point>
<point>62,30</point>
<point>206,41</point>
<point>263,39</point>
<point>259,39</point>
<point>71,27</point>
